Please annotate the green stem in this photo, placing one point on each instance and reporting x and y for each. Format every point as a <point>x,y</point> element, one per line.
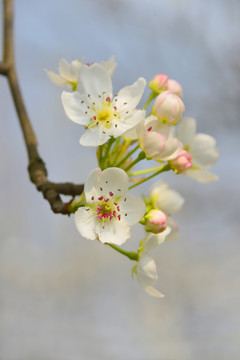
<point>140,157</point>
<point>127,156</point>
<point>164,168</point>
<point>130,254</point>
<point>145,171</point>
<point>151,97</point>
<point>109,144</point>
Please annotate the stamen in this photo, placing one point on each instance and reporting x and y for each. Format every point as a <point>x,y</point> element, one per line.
<point>92,198</point>
<point>118,208</point>
<point>119,217</point>
<point>106,200</point>
<point>82,101</point>
<point>94,118</point>
<point>108,99</point>
<point>100,198</point>
<point>115,108</point>
<point>110,193</point>
<point>150,128</point>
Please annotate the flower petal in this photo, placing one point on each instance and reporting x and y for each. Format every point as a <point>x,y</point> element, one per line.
<point>153,240</point>
<point>127,123</point>
<point>132,209</point>
<point>165,199</point>
<point>129,96</point>
<point>91,188</point>
<point>109,65</point>
<point>74,109</point>
<point>113,232</point>
<point>114,180</point>
<point>94,80</point>
<point>186,130</point>
<point>153,292</point>
<point>146,271</point>
<point>85,220</point>
<point>93,137</point>
<point>69,71</point>
<point>203,150</point>
<point>57,79</point>
<point>201,175</point>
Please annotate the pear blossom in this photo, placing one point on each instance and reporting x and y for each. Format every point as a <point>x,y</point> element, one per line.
<point>182,162</point>
<point>202,149</point>
<point>170,202</point>
<point>156,221</point>
<point>156,141</point>
<point>146,273</point>
<point>159,83</point>
<point>109,65</point>
<point>68,73</point>
<point>175,87</point>
<point>168,108</point>
<point>94,106</point>
<point>108,212</point>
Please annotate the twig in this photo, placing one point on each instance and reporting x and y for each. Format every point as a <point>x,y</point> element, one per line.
<point>36,168</point>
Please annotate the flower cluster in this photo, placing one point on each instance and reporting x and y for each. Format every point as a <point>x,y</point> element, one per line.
<point>125,135</point>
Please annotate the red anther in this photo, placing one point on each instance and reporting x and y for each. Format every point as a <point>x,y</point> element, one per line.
<point>100,198</point>
<point>110,193</point>
<point>94,118</point>
<point>115,108</point>
<point>108,99</point>
<point>106,200</point>
<point>114,213</point>
<point>118,208</point>
<point>119,217</point>
<point>115,203</point>
<point>150,128</point>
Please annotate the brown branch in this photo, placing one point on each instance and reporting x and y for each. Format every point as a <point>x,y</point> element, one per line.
<point>36,168</point>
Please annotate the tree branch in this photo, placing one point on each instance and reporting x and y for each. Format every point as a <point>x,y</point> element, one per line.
<point>36,168</point>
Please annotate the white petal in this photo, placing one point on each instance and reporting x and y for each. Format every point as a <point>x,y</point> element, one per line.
<point>57,79</point>
<point>174,230</point>
<point>153,144</point>
<point>109,65</point>
<point>153,292</point>
<point>93,137</point>
<point>201,175</point>
<point>203,150</point>
<point>74,109</point>
<point>132,134</point>
<point>146,271</point>
<point>126,123</point>
<point>91,186</point>
<point>113,232</point>
<point>154,124</point>
<point>172,149</point>
<point>113,180</point>
<point>169,201</point>
<point>132,209</point>
<point>69,71</point>
<point>186,130</point>
<point>94,80</point>
<point>131,95</point>
<point>154,240</point>
<point>86,222</point>
<point>158,187</point>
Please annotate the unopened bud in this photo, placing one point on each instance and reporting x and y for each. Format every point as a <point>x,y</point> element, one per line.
<point>156,221</point>
<point>168,108</point>
<point>159,83</point>
<point>182,162</point>
<point>175,87</point>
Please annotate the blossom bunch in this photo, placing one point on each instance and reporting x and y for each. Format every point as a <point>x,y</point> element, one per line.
<point>125,134</point>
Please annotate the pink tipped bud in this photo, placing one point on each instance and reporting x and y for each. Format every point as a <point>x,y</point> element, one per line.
<point>168,108</point>
<point>175,87</point>
<point>159,83</point>
<point>156,221</point>
<point>182,162</point>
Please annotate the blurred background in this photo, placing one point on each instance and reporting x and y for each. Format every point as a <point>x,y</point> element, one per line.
<point>64,297</point>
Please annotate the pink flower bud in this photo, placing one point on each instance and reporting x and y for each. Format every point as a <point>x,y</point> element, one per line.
<point>156,221</point>
<point>168,107</point>
<point>175,87</point>
<point>182,162</point>
<point>159,83</point>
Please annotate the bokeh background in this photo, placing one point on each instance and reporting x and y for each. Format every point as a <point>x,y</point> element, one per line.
<point>63,297</point>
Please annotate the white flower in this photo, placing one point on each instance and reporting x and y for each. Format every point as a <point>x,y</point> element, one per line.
<point>109,65</point>
<point>146,273</point>
<point>169,201</point>
<point>108,212</point>
<point>155,139</point>
<point>94,106</point>
<point>201,147</point>
<point>68,73</point>
<point>168,107</point>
